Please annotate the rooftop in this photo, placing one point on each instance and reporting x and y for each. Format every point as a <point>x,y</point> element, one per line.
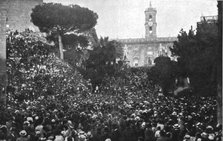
<point>147,40</point>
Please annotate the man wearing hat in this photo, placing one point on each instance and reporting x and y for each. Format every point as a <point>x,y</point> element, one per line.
<point>3,133</point>
<point>23,136</point>
<point>163,136</point>
<point>176,132</point>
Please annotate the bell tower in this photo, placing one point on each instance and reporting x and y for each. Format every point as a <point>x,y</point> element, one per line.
<point>150,22</point>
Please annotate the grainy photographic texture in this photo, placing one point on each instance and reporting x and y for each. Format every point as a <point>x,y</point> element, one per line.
<point>110,70</point>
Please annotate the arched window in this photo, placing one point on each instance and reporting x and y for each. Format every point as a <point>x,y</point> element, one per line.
<point>135,62</point>
<point>150,16</point>
<point>149,61</point>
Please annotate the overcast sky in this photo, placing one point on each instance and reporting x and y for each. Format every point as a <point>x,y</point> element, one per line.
<point>125,18</point>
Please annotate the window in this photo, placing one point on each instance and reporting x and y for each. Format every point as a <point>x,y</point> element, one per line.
<point>150,16</point>
<point>149,61</point>
<point>150,28</point>
<point>135,62</point>
<point>150,53</point>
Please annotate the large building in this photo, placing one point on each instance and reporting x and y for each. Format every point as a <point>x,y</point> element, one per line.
<point>142,51</point>
<point>208,19</point>
<point>18,14</point>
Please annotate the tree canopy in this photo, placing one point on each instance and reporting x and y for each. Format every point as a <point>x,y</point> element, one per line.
<point>102,60</point>
<point>163,73</point>
<point>57,20</point>
<point>196,52</point>
<point>50,16</point>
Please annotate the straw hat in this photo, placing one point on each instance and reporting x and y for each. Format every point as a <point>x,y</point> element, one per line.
<point>23,133</point>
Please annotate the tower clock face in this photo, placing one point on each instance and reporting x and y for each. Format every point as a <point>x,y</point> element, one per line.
<point>150,23</point>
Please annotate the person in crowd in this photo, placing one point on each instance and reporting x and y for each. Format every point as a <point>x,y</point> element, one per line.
<point>127,110</point>
<point>163,136</point>
<point>149,134</point>
<point>157,133</point>
<point>23,136</point>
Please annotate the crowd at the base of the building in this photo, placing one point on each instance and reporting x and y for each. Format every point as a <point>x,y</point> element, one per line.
<point>188,118</point>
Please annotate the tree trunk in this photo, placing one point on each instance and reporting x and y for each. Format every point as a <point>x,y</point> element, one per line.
<point>60,47</point>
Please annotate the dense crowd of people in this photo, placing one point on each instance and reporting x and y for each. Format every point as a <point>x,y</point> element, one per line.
<point>114,117</point>
<point>157,118</point>
<point>125,108</point>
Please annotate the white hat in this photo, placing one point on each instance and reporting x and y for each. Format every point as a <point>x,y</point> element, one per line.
<point>204,135</point>
<point>143,124</point>
<point>23,133</point>
<point>174,113</point>
<point>39,127</point>
<point>137,118</point>
<point>108,139</point>
<point>53,120</point>
<point>187,136</point>
<point>209,127</point>
<point>211,137</point>
<point>30,119</point>
<point>36,118</point>
<point>26,122</point>
<point>69,122</point>
<point>176,126</point>
<point>198,124</point>
<point>82,137</point>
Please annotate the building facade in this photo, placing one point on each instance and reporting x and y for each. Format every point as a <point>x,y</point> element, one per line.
<point>208,19</point>
<point>18,14</point>
<point>142,51</point>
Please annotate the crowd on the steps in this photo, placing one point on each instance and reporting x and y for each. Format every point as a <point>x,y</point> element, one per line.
<point>158,118</point>
<point>128,108</point>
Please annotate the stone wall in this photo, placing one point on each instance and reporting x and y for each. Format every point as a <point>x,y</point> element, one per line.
<point>3,80</point>
<point>219,63</point>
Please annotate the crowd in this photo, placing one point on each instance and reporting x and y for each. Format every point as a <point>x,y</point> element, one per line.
<point>126,108</point>
<point>99,117</point>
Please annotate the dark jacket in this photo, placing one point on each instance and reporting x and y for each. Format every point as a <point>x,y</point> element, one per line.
<point>163,139</point>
